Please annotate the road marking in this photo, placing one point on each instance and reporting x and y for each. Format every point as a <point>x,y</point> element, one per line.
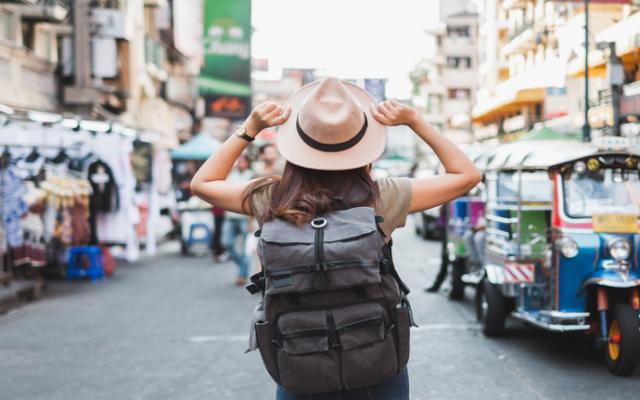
<point>219,338</point>
<point>446,327</point>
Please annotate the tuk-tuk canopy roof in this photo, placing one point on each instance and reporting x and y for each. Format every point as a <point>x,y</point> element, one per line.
<point>199,148</point>
<point>542,132</point>
<point>537,154</point>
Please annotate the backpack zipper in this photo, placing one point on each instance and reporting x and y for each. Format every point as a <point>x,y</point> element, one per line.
<point>320,262</point>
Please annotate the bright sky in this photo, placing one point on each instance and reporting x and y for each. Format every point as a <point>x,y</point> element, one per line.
<point>346,38</point>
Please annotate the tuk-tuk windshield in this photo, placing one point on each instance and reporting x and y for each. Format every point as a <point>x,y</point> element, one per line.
<point>536,186</point>
<point>604,191</point>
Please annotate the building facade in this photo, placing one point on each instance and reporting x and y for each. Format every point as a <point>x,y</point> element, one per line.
<point>111,60</point>
<point>445,85</point>
<point>527,49</point>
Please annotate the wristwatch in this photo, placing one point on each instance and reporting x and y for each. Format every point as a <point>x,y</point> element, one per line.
<point>241,132</point>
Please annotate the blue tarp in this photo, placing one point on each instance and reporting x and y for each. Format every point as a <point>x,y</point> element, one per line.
<point>200,147</point>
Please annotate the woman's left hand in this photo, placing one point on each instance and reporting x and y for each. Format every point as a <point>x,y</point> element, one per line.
<point>392,112</point>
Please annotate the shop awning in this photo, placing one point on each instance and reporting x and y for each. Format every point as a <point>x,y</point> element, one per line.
<point>502,105</point>
<point>199,148</point>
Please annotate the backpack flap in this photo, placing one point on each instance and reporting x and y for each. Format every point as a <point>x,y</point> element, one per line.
<point>304,332</point>
<point>338,250</point>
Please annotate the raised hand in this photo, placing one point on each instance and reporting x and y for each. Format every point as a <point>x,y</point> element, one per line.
<point>392,112</point>
<point>266,115</point>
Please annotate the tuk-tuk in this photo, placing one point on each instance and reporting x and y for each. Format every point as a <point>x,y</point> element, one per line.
<point>562,244</point>
<point>465,225</point>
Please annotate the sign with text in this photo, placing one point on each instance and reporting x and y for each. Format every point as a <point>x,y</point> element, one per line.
<point>225,77</point>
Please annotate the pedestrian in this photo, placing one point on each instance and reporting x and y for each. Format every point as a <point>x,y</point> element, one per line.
<point>330,133</point>
<point>268,157</point>
<point>235,227</point>
<point>216,240</point>
<point>444,253</point>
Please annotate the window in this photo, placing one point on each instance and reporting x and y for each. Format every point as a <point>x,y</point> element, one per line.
<point>459,62</point>
<point>459,94</point>
<point>7,27</point>
<point>458,31</point>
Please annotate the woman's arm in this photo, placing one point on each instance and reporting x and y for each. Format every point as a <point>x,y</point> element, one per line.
<point>461,175</point>
<point>209,181</point>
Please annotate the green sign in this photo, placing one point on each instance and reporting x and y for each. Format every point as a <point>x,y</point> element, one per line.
<point>225,78</point>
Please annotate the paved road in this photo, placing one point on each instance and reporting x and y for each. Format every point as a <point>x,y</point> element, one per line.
<point>175,328</point>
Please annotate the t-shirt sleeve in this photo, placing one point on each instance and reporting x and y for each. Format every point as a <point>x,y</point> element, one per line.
<point>394,202</point>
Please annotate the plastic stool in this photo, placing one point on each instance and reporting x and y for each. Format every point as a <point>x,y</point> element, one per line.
<point>75,270</point>
<point>192,239</point>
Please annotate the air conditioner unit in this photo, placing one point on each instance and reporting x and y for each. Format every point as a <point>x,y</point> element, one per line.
<point>111,23</point>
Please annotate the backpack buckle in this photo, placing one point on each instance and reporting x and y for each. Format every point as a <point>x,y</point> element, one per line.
<point>318,223</point>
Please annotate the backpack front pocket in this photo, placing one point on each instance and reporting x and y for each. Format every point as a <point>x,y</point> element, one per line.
<point>306,361</point>
<point>368,352</point>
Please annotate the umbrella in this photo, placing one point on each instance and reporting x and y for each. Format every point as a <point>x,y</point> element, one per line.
<point>199,148</point>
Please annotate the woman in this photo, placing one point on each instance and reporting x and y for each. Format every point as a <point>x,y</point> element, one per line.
<point>330,133</point>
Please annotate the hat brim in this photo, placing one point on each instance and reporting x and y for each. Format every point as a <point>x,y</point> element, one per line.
<point>296,151</point>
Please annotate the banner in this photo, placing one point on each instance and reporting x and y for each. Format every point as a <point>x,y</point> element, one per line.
<point>225,78</point>
<point>377,88</point>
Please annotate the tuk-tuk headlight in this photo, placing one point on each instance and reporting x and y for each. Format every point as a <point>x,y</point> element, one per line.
<point>567,246</point>
<point>619,248</point>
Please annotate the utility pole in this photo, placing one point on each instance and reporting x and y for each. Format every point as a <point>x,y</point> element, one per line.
<point>81,44</point>
<point>82,95</point>
<point>586,128</point>
<point>615,78</point>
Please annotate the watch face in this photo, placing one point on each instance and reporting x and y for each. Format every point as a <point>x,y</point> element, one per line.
<point>241,130</point>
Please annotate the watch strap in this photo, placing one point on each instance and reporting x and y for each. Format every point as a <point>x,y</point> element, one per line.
<point>241,132</point>
<point>246,137</point>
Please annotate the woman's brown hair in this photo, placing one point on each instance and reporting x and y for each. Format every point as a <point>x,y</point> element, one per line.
<point>302,193</point>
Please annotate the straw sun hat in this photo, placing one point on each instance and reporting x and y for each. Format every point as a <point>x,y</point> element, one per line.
<point>331,127</point>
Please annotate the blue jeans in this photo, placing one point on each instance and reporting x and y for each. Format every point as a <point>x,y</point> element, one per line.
<point>231,230</point>
<point>394,388</point>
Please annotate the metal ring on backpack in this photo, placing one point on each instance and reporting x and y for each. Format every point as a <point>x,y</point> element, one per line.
<point>318,223</point>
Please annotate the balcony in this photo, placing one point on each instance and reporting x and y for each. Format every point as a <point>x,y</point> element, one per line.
<point>511,4</point>
<point>518,30</point>
<point>458,45</point>
<point>459,78</point>
<point>521,38</point>
<point>54,11</point>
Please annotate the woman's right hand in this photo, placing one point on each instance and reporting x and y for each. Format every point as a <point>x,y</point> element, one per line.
<point>266,115</point>
<point>392,112</point>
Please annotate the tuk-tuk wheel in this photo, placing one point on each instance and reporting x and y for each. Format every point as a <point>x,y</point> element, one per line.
<point>491,309</point>
<point>623,349</point>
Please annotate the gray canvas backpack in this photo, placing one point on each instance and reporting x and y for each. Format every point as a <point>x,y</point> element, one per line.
<point>336,315</point>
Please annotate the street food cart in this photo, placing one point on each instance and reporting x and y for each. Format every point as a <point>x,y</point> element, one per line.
<point>195,217</point>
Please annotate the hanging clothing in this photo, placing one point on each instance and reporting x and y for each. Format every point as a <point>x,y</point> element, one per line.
<point>105,192</point>
<point>14,206</point>
<point>142,162</point>
<point>81,164</point>
<point>80,229</point>
<point>119,226</point>
<point>34,244</point>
